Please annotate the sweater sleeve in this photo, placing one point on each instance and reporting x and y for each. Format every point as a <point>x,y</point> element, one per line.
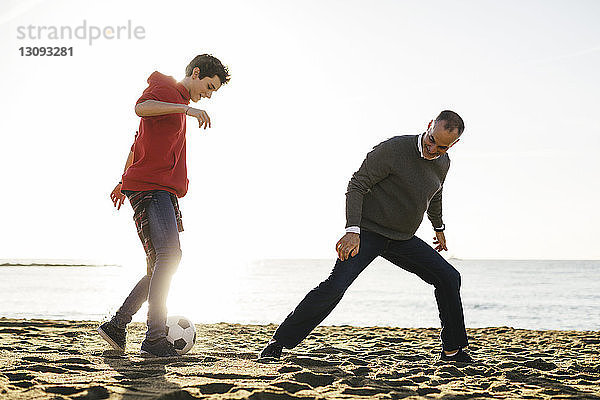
<point>434,211</point>
<point>375,167</point>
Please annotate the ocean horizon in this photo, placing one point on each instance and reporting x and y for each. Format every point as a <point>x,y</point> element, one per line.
<point>529,294</point>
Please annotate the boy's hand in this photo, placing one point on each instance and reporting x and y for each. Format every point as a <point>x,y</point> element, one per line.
<point>117,197</point>
<point>200,115</point>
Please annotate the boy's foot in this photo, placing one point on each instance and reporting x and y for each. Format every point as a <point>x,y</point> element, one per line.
<point>158,348</point>
<point>114,336</point>
<point>273,350</point>
<point>461,356</point>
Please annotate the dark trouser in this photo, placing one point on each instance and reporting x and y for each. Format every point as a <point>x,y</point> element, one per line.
<point>413,255</point>
<point>165,240</point>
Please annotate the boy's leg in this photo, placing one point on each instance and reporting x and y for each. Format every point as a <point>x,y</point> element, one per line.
<point>165,240</point>
<point>132,303</point>
<point>416,256</point>
<point>320,301</point>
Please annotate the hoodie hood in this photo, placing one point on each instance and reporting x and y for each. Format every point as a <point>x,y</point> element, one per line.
<point>158,79</point>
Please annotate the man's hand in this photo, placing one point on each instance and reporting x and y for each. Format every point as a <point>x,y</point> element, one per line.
<point>348,246</point>
<point>200,115</point>
<point>440,241</point>
<point>117,197</point>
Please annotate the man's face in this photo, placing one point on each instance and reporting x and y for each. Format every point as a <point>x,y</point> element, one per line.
<point>204,87</point>
<point>437,140</point>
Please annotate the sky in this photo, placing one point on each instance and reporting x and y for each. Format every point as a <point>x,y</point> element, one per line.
<point>314,86</point>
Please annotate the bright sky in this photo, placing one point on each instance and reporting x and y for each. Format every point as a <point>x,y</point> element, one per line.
<point>315,85</point>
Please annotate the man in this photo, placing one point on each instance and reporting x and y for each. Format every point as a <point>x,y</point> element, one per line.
<point>398,182</point>
<point>155,176</point>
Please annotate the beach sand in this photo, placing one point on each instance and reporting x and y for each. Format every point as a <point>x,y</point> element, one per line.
<point>68,360</point>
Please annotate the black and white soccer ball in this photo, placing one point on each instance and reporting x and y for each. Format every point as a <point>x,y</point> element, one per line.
<point>181,332</point>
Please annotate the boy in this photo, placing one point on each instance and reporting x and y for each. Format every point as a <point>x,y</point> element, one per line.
<point>155,176</point>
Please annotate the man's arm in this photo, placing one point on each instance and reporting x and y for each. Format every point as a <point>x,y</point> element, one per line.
<point>375,167</point>
<point>434,213</point>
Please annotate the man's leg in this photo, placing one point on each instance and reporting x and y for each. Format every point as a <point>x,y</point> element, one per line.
<point>132,303</point>
<point>418,257</point>
<point>320,301</point>
<point>165,240</point>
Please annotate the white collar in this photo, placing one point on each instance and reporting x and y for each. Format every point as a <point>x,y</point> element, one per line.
<point>420,144</point>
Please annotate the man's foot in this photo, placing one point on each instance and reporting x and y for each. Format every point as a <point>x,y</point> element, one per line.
<point>273,350</point>
<point>460,357</point>
<point>158,348</point>
<point>114,336</point>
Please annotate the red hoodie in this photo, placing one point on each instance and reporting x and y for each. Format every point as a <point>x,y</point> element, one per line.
<point>159,147</point>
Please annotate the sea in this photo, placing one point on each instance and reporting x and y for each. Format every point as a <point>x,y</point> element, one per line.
<point>529,294</point>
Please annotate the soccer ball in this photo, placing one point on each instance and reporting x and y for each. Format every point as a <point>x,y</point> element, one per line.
<point>181,332</point>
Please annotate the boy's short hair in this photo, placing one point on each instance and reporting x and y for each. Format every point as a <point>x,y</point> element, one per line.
<point>209,66</point>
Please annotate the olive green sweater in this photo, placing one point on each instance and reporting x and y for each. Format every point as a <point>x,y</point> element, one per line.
<point>394,187</point>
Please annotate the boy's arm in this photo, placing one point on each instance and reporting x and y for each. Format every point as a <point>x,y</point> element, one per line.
<point>116,196</point>
<point>152,108</point>
<point>129,161</point>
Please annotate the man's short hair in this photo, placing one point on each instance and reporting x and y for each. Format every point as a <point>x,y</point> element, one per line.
<point>209,66</point>
<point>452,121</point>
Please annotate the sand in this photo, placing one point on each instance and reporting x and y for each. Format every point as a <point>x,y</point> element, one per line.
<point>68,360</point>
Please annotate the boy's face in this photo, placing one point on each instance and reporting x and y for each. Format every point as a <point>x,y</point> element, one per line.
<point>203,87</point>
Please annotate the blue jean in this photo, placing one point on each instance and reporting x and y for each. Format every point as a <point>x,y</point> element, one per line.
<point>414,256</point>
<point>165,240</point>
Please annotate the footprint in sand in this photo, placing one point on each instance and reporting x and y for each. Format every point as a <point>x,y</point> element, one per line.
<point>35,359</point>
<point>73,360</point>
<point>418,378</point>
<point>356,361</point>
<point>364,391</point>
<point>423,391</point>
<point>499,387</point>
<point>18,376</point>
<point>361,371</point>
<point>311,362</point>
<point>46,368</point>
<point>398,383</point>
<point>289,368</point>
<point>312,379</point>
<point>94,393</point>
<point>64,390</point>
<point>330,350</point>
<point>77,367</point>
<point>215,388</point>
<point>541,365</point>
<point>449,371</point>
<point>291,387</point>
<point>23,384</point>
<point>12,331</point>
<point>271,395</point>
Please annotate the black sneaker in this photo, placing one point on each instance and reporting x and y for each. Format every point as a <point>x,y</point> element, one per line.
<point>460,357</point>
<point>158,348</point>
<point>272,350</point>
<point>114,336</point>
